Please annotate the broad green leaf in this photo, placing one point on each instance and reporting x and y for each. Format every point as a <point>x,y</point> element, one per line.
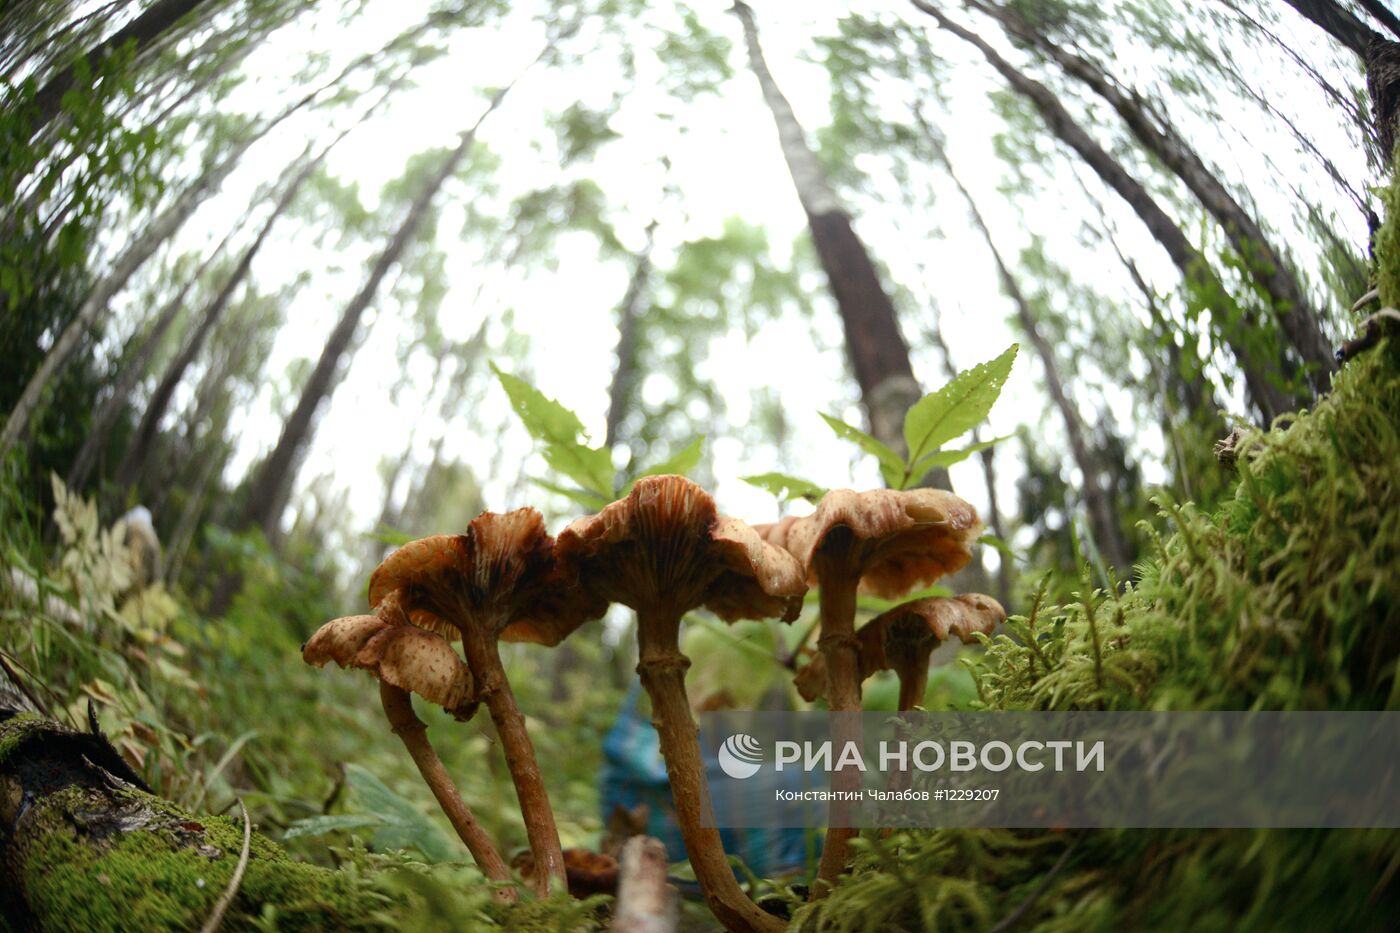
<point>957,408</point>
<point>888,458</point>
<point>402,825</point>
<point>320,825</point>
<point>679,463</point>
<point>1001,546</point>
<point>589,500</point>
<point>590,467</point>
<point>877,605</point>
<point>946,458</point>
<point>543,417</point>
<point>786,487</point>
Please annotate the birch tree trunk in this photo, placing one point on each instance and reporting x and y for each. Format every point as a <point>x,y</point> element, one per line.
<point>877,351</point>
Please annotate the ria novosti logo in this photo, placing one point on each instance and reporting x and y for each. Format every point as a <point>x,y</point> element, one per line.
<point>740,756</point>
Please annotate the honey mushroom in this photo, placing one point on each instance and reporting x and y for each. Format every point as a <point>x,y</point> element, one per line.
<point>663,551</point>
<point>496,581</point>
<point>886,542</point>
<point>406,659</point>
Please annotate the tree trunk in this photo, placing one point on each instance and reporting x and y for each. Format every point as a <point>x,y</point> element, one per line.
<point>1260,378</point>
<point>1296,315</point>
<point>139,449</point>
<point>269,490</point>
<point>877,351</point>
<point>1098,501</point>
<point>142,31</point>
<point>1338,22</point>
<point>629,313</point>
<point>129,372</point>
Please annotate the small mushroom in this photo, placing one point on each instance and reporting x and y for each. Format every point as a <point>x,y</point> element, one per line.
<point>664,550</point>
<point>405,659</point>
<point>886,542</point>
<point>903,638</point>
<point>498,580</point>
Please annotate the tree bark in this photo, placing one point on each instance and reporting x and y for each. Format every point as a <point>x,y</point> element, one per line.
<point>1296,314</point>
<point>269,491</point>
<point>142,31</point>
<point>1260,379</point>
<point>1338,22</point>
<point>877,351</point>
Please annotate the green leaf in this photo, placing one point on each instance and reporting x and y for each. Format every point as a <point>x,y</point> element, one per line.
<point>946,458</point>
<point>589,500</point>
<point>888,458</point>
<point>590,467</point>
<point>877,605</point>
<point>1001,546</point>
<point>957,408</point>
<point>543,417</point>
<point>565,441</point>
<point>402,825</point>
<point>679,463</point>
<point>785,487</point>
<point>320,825</point>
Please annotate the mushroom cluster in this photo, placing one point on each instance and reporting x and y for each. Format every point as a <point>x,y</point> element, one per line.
<point>663,550</point>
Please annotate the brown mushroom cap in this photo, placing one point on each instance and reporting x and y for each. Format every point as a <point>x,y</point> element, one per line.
<point>899,539</point>
<point>502,570</point>
<point>893,639</point>
<point>665,545</point>
<point>403,656</point>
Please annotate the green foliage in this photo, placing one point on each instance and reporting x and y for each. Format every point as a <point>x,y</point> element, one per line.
<point>565,446</point>
<point>937,418</point>
<point>397,823</point>
<point>1284,598</point>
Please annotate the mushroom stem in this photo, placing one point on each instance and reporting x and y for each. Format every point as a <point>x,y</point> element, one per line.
<point>662,668</point>
<point>484,658</point>
<point>842,656</point>
<point>398,707</point>
<point>913,681</point>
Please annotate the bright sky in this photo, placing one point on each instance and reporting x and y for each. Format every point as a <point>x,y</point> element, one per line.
<point>728,164</point>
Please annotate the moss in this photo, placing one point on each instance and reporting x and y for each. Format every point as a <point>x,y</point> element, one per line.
<point>15,731</point>
<point>96,859</point>
<point>1286,597</point>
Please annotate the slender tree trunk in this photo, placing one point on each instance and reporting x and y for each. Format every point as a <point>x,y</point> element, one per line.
<point>628,315</point>
<point>1098,500</point>
<point>1379,55</point>
<point>877,351</point>
<point>1297,317</point>
<point>1382,13</point>
<point>1261,379</point>
<point>1338,22</point>
<point>159,18</point>
<point>139,448</point>
<point>269,490</point>
<point>129,372</point>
